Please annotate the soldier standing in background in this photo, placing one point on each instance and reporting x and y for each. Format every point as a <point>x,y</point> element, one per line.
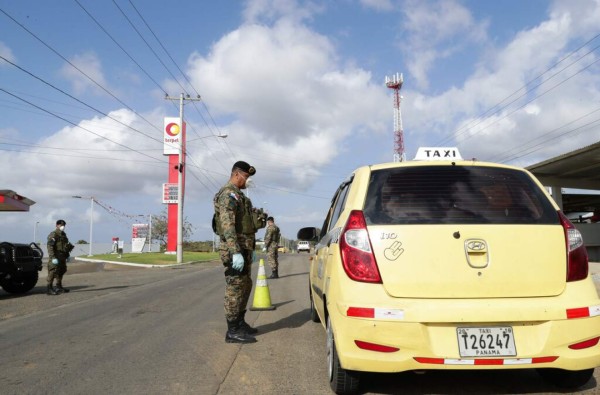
<point>271,245</point>
<point>59,250</point>
<point>234,224</point>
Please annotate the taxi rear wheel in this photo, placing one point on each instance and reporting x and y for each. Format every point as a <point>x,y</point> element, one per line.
<point>342,381</point>
<point>566,378</point>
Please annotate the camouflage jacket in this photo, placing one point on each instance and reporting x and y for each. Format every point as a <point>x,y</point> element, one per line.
<point>272,236</point>
<point>231,207</point>
<point>58,244</point>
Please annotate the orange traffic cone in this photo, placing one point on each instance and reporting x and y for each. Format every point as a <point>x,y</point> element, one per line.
<point>262,297</point>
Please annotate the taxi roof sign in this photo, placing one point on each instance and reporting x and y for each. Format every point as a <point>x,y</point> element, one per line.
<point>438,153</point>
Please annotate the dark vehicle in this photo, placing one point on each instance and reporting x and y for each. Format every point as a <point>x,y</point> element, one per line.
<point>20,265</point>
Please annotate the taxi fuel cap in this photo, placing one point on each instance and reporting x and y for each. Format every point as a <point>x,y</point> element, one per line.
<point>438,153</point>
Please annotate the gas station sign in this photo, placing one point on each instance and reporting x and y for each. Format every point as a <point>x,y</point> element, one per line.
<point>170,193</point>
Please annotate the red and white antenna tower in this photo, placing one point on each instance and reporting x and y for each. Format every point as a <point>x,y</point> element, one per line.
<point>395,83</point>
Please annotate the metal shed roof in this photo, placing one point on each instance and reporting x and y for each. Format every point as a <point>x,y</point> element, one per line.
<point>12,201</point>
<point>575,169</point>
<point>579,169</point>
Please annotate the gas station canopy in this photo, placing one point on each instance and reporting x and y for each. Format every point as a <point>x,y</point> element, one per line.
<point>12,201</point>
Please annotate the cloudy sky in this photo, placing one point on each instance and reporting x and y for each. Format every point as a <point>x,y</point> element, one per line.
<point>298,87</point>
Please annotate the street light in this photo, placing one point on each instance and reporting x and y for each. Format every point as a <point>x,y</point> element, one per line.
<point>91,218</point>
<point>223,136</point>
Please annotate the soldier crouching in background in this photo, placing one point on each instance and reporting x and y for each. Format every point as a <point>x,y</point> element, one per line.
<point>59,250</point>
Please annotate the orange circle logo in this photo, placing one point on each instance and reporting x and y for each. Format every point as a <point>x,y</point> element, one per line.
<point>172,129</point>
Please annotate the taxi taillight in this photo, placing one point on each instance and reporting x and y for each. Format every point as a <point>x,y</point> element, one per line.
<point>577,257</point>
<point>356,250</point>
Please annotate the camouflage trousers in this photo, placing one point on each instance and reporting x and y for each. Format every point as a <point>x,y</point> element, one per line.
<point>238,285</point>
<point>273,258</point>
<point>56,271</point>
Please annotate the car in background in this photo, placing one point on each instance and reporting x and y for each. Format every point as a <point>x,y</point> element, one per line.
<point>303,246</point>
<point>282,249</point>
<point>445,264</point>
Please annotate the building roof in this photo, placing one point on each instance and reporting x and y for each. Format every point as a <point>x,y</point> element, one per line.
<point>576,169</point>
<point>579,169</point>
<point>12,201</point>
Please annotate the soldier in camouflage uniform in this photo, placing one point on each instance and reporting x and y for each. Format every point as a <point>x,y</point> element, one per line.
<point>59,250</point>
<point>233,223</point>
<point>272,245</point>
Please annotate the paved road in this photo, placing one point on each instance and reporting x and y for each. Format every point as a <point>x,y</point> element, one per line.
<point>154,331</point>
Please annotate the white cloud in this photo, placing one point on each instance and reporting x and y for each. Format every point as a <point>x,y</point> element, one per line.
<point>6,52</point>
<point>435,30</point>
<point>268,11</point>
<point>523,126</point>
<point>87,65</point>
<point>379,5</point>
<point>285,86</point>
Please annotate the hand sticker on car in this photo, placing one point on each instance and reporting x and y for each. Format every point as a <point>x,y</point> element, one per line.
<point>394,251</point>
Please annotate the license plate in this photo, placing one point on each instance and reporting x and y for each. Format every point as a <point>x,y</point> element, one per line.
<point>486,342</point>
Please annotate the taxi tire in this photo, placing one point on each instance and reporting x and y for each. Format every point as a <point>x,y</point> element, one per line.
<point>566,378</point>
<point>342,381</point>
<point>314,317</point>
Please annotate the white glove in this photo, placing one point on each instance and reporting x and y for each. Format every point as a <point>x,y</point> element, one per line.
<point>264,249</point>
<point>54,261</point>
<point>238,262</point>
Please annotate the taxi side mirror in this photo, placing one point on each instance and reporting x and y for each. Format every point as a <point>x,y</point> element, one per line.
<point>308,234</point>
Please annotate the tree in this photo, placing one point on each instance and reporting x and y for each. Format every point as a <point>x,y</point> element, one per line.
<point>160,231</point>
<point>81,242</point>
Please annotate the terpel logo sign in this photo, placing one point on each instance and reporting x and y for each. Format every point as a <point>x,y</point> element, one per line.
<point>172,129</point>
<point>172,136</point>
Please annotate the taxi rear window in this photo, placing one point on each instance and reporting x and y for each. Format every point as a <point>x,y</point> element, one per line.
<point>456,195</point>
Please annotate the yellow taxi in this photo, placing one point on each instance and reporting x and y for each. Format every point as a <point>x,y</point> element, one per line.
<point>441,263</point>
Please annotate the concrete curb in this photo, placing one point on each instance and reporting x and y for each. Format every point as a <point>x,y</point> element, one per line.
<point>131,264</point>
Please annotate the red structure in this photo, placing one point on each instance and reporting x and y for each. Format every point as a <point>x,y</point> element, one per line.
<point>395,83</point>
<point>174,136</point>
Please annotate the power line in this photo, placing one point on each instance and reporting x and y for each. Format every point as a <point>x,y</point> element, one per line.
<point>76,68</point>
<point>79,101</point>
<point>479,119</point>
<point>185,77</point>
<point>78,126</point>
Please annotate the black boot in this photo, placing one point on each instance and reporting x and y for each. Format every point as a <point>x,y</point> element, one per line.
<point>245,326</point>
<point>59,286</point>
<point>274,274</point>
<point>51,290</point>
<point>235,334</point>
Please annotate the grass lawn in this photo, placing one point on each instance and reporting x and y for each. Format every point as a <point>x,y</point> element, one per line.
<point>157,258</point>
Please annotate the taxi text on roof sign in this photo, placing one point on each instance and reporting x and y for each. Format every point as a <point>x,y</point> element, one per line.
<point>438,153</point>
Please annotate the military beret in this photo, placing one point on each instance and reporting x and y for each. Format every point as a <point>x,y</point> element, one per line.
<point>244,166</point>
<point>270,219</point>
<point>61,222</point>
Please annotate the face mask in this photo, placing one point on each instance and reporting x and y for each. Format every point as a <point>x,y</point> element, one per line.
<point>62,228</point>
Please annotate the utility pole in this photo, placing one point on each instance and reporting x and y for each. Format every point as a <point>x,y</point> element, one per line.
<point>150,233</point>
<point>181,176</point>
